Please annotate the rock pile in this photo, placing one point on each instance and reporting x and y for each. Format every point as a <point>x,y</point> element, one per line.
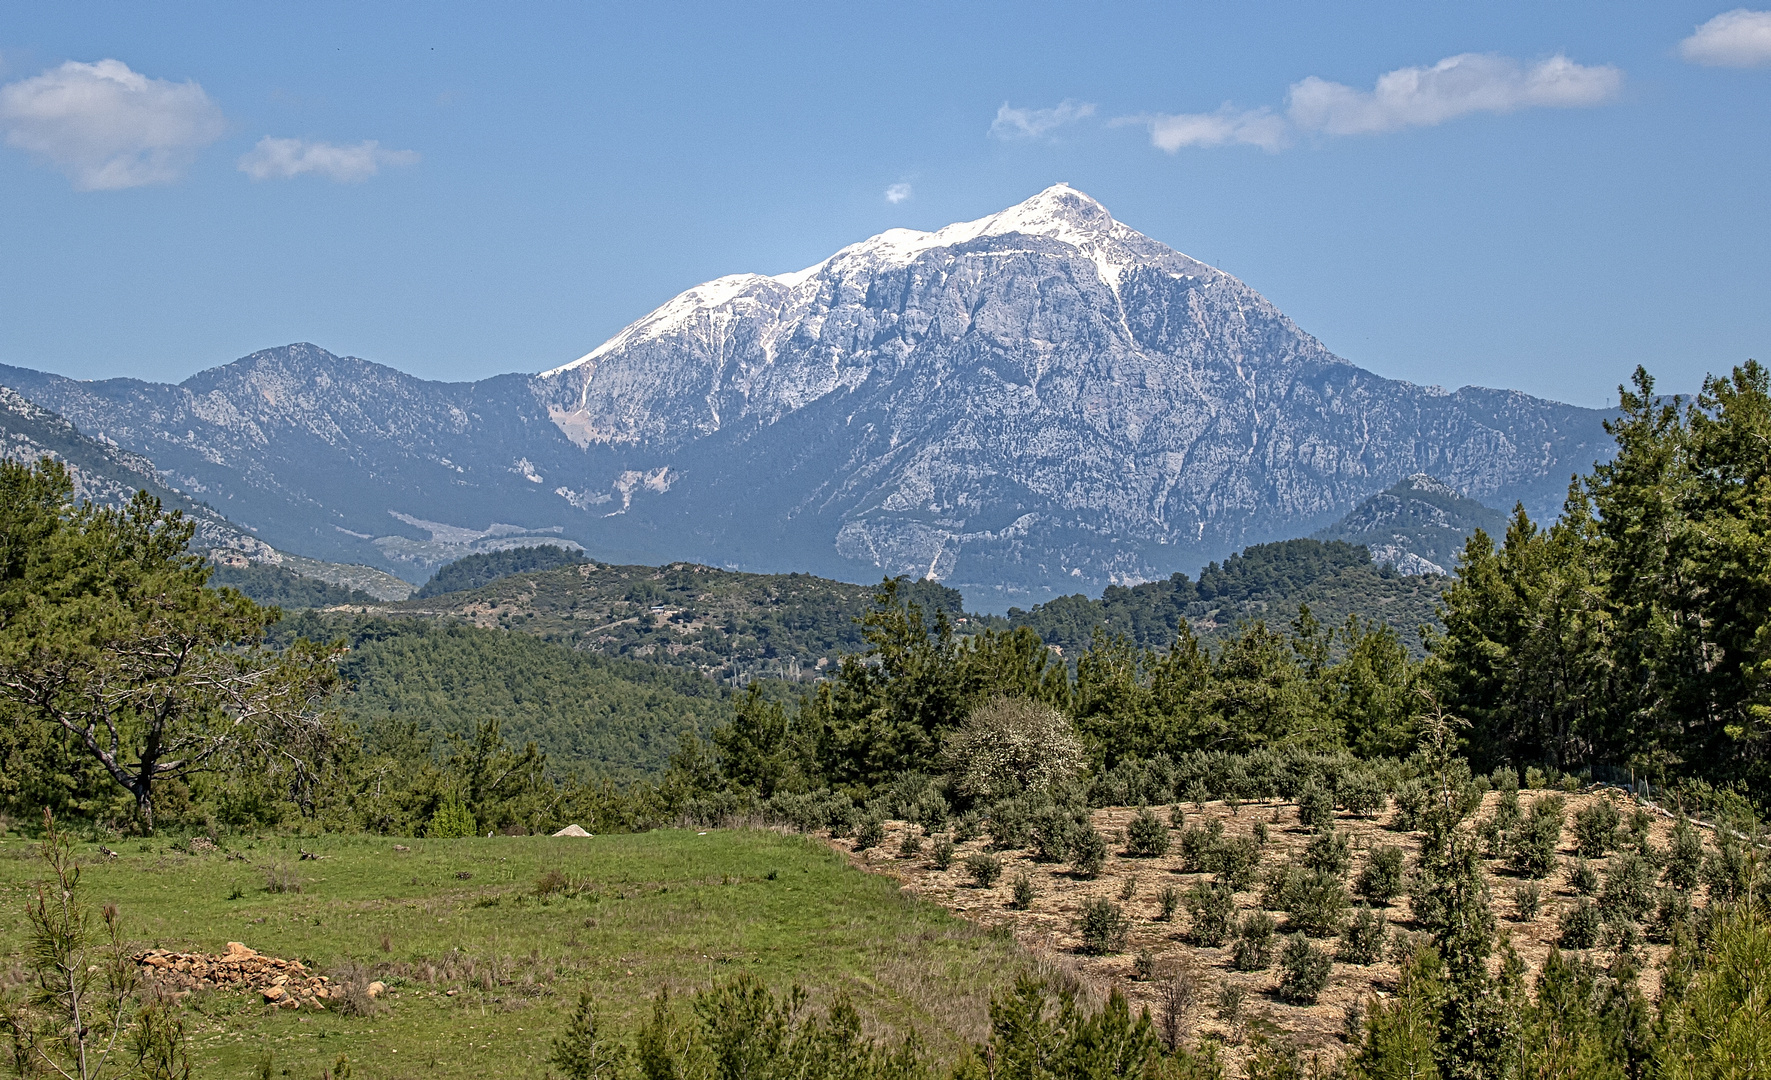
<point>284,983</point>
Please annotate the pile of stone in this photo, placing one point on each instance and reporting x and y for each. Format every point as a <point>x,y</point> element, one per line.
<point>284,983</point>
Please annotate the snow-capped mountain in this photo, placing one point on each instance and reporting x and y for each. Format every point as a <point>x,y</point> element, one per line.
<point>1036,401</point>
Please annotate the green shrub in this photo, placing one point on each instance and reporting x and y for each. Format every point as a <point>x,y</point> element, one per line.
<point>1052,831</point>
<point>1412,800</point>
<point>910,846</point>
<point>1196,844</point>
<point>870,834</point>
<point>1254,942</point>
<point>1103,927</point>
<point>1380,880</point>
<point>1534,842</point>
<point>1211,906</point>
<point>1317,905</point>
<point>1580,925</point>
<point>1088,853</point>
<point>1168,900</point>
<point>1595,828</point>
<point>1636,829</point>
<point>942,853</point>
<point>1527,899</point>
<point>1303,971</point>
<point>1672,913</point>
<point>1146,837</point>
<point>1315,805</point>
<point>1234,859</point>
<point>453,820</point>
<point>1729,869</point>
<point>1260,833</point>
<point>1143,967</point>
<point>1582,878</point>
<point>1362,793</point>
<point>967,828</point>
<point>1128,887</point>
<point>1364,937</point>
<point>1628,895</point>
<point>1023,893</point>
<point>1535,778</point>
<point>1330,852</point>
<point>1684,858</point>
<point>984,869</point>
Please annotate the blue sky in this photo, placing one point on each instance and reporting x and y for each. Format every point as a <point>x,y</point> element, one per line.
<point>462,190</point>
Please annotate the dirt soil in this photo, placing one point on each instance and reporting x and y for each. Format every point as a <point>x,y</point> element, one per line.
<point>1048,928</point>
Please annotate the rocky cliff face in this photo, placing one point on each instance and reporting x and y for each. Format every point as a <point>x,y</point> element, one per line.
<point>1039,401</point>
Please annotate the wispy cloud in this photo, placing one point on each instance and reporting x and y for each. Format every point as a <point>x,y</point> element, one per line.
<point>1738,38</point>
<point>897,193</point>
<point>284,159</point>
<point>1404,98</point>
<point>108,127</point>
<point>1251,127</point>
<point>1011,123</point>
<point>1456,86</point>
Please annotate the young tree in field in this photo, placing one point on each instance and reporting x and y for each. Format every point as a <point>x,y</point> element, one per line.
<point>108,632</point>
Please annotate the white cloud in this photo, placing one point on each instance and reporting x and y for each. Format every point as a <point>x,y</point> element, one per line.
<point>1454,87</point>
<point>1738,38</point>
<point>897,193</point>
<point>1407,97</point>
<point>1250,127</point>
<point>108,127</point>
<point>1033,123</point>
<point>283,159</point>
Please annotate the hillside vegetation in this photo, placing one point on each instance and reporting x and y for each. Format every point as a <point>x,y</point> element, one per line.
<point>732,626</point>
<point>483,568</point>
<point>609,718</point>
<point>1266,581</point>
<point>273,586</point>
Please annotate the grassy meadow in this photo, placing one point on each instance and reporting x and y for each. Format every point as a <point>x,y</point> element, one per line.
<point>622,916</point>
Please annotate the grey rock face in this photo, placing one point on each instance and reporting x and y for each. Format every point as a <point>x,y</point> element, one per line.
<point>1040,401</point>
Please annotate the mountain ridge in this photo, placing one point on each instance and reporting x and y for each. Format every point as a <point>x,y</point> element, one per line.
<point>1015,413</point>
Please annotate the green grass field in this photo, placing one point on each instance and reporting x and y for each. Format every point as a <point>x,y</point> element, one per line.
<point>669,908</point>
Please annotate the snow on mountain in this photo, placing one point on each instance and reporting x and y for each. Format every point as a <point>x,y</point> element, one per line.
<point>1034,402</point>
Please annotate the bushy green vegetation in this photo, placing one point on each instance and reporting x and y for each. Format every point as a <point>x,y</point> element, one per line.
<point>1334,578</point>
<point>732,626</point>
<point>473,571</point>
<point>1635,630</point>
<point>605,717</point>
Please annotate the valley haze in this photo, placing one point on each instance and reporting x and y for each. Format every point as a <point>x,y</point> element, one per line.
<point>1039,402</point>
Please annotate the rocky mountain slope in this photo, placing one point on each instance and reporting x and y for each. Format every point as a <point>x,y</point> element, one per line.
<point>1035,402</point>
<point>107,475</point>
<point>1418,526</point>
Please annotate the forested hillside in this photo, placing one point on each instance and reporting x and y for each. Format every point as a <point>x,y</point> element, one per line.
<point>1267,581</point>
<point>587,713</point>
<point>486,567</point>
<point>276,587</point>
<point>731,626</point>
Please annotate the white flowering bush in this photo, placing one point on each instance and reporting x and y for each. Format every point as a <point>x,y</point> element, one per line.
<point>1012,745</point>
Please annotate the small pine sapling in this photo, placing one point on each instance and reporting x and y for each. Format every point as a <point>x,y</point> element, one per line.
<point>1380,880</point>
<point>1168,900</point>
<point>1303,971</point>
<point>1364,937</point>
<point>1103,927</point>
<point>1146,837</point>
<point>1211,906</point>
<point>1254,942</point>
<point>1580,925</point>
<point>1595,828</point>
<point>1022,899</point>
<point>983,869</point>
